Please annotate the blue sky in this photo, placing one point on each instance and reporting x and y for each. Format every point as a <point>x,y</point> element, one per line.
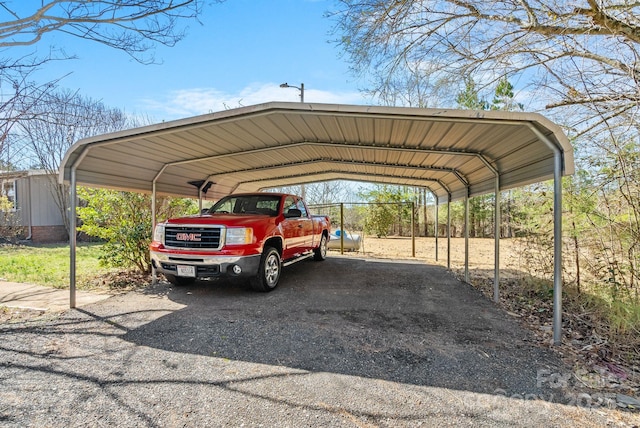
<point>239,55</point>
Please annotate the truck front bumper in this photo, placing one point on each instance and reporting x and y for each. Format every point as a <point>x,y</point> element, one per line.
<point>199,266</point>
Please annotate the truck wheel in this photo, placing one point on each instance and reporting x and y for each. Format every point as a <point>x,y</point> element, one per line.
<point>269,271</point>
<point>179,281</point>
<point>320,253</point>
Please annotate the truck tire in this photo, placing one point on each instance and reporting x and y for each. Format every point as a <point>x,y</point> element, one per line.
<point>320,253</point>
<point>179,281</point>
<point>269,271</point>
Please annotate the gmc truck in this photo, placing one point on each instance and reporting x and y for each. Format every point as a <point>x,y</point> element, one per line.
<point>246,236</point>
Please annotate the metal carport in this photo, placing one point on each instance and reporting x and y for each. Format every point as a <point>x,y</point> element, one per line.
<point>455,154</point>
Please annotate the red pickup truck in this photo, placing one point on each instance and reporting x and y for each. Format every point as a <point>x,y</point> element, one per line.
<point>247,236</point>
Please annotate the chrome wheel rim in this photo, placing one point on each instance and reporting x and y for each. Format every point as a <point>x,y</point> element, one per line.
<point>272,270</point>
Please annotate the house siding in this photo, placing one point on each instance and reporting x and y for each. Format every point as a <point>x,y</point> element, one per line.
<point>35,205</point>
<point>44,210</point>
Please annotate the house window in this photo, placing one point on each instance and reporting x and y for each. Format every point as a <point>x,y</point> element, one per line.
<point>8,190</point>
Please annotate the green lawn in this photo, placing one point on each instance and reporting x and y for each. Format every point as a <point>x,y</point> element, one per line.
<point>49,264</point>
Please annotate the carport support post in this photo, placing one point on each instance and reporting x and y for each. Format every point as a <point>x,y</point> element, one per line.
<point>449,232</point>
<point>496,227</point>
<point>557,248</point>
<point>341,227</point>
<point>72,239</point>
<point>466,236</point>
<point>557,233</point>
<point>154,278</point>
<point>435,226</point>
<point>413,229</point>
<point>73,196</point>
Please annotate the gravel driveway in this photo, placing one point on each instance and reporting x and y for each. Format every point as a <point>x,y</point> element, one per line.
<point>347,342</point>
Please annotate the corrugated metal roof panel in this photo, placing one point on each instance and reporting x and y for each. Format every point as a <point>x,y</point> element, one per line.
<point>277,144</point>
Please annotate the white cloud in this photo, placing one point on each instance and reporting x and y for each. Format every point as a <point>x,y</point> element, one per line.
<point>196,101</point>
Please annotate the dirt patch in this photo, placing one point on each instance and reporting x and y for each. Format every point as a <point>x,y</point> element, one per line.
<point>119,281</point>
<point>481,251</point>
<point>15,315</point>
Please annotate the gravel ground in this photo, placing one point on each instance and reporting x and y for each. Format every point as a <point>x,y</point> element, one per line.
<point>347,342</point>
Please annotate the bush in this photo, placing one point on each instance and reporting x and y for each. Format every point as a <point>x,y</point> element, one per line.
<point>123,221</point>
<point>10,228</point>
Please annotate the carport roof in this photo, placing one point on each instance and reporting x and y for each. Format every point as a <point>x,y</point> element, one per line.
<point>280,144</point>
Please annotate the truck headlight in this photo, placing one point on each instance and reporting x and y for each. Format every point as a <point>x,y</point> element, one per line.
<point>158,233</point>
<point>239,235</point>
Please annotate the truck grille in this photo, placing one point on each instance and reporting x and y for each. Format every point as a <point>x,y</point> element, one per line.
<point>195,237</point>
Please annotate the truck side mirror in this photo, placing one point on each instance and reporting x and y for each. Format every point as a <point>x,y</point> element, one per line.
<point>293,213</point>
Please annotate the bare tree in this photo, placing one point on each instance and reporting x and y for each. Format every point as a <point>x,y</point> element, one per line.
<point>17,96</point>
<point>60,119</point>
<point>583,54</point>
<point>411,85</point>
<point>325,192</point>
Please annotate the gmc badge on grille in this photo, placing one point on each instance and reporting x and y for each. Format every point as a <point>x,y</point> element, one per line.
<point>188,237</point>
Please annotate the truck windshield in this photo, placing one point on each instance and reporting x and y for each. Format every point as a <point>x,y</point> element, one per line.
<point>247,204</point>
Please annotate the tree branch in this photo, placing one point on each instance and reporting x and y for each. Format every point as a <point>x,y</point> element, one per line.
<point>125,24</point>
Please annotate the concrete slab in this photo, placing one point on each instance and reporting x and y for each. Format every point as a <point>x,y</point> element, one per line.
<point>31,296</point>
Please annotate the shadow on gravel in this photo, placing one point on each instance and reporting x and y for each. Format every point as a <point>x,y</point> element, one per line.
<point>397,321</point>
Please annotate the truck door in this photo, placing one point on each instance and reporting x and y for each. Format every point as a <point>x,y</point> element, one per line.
<point>307,226</point>
<point>292,229</point>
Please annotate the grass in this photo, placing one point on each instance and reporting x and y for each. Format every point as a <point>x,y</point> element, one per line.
<point>594,313</point>
<point>49,264</point>
<point>620,316</point>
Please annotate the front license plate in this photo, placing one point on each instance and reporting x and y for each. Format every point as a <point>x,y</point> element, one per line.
<point>189,271</point>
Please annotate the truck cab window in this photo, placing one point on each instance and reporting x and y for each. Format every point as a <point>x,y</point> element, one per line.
<point>289,203</point>
<point>300,205</point>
